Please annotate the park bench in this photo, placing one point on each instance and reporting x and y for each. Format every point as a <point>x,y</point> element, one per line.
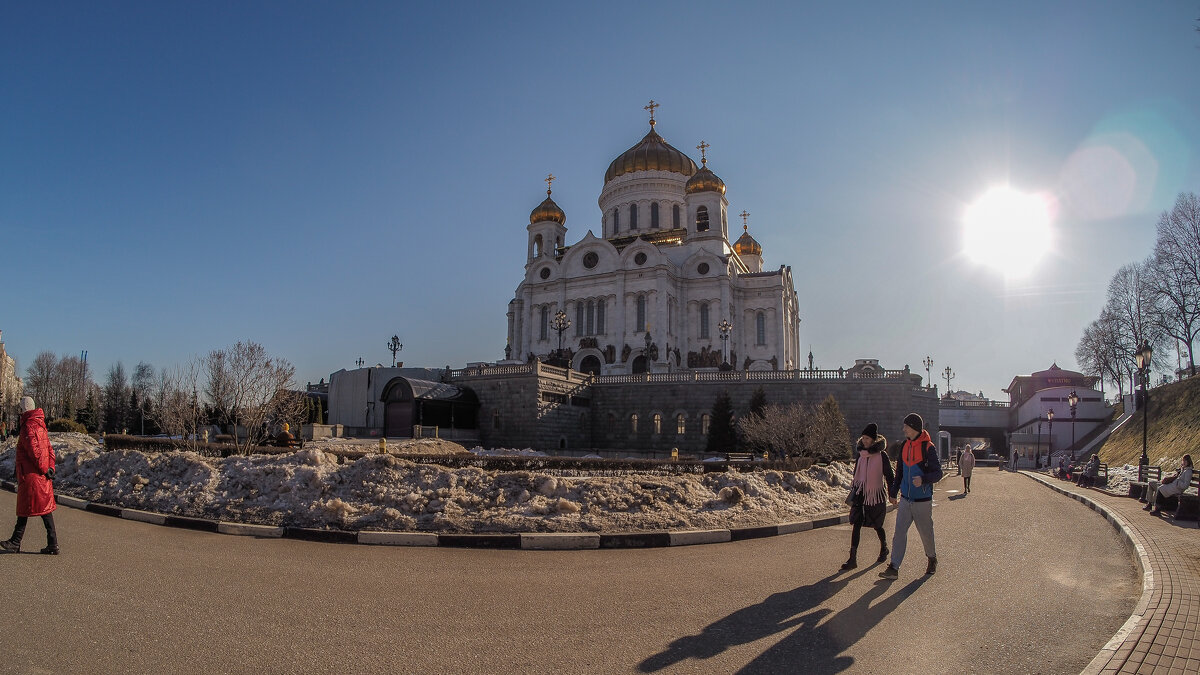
<point>1137,488</point>
<point>1185,506</point>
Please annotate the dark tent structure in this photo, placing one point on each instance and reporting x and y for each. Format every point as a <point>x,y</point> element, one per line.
<point>409,403</point>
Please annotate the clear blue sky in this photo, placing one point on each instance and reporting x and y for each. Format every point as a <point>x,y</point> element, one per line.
<point>175,177</point>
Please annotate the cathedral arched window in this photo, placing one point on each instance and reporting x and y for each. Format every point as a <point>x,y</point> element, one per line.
<point>657,423</point>
<point>545,322</point>
<point>704,320</point>
<point>680,424</point>
<point>633,423</point>
<point>591,317</point>
<point>641,314</point>
<point>578,319</point>
<point>702,219</point>
<point>633,216</point>
<point>675,216</point>
<point>600,316</point>
<point>653,214</point>
<point>616,220</point>
<point>537,246</point>
<point>724,222</point>
<point>760,324</point>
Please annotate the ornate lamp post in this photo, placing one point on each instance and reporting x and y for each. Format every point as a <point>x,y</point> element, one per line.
<point>725,327</point>
<point>1050,438</point>
<point>394,346</point>
<point>359,362</point>
<point>949,375</point>
<point>1073,399</point>
<point>1143,356</point>
<point>928,371</point>
<point>560,323</point>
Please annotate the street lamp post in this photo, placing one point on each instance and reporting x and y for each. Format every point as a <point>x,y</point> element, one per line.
<point>949,375</point>
<point>1143,356</point>
<point>394,346</point>
<point>928,371</point>
<point>725,327</point>
<point>359,362</point>
<point>1037,453</point>
<point>560,324</point>
<point>1050,438</point>
<point>1073,399</point>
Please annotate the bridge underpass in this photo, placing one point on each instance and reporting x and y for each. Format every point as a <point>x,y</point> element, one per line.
<point>976,419</point>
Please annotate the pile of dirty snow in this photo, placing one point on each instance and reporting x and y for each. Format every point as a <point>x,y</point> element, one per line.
<point>309,488</point>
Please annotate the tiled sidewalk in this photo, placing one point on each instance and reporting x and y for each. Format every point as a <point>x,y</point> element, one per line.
<point>1163,634</point>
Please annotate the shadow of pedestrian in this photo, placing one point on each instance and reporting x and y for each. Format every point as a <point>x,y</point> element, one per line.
<point>957,497</point>
<point>778,613</point>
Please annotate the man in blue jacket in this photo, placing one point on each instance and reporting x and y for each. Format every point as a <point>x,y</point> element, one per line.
<point>917,469</point>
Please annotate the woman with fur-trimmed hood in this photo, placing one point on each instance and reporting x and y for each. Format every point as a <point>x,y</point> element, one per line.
<point>868,497</point>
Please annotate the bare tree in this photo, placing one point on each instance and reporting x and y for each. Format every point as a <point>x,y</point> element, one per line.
<point>177,409</point>
<point>798,430</point>
<point>141,383</point>
<point>40,379</point>
<point>1176,273</point>
<point>251,389</point>
<point>116,400</point>
<point>1130,307</point>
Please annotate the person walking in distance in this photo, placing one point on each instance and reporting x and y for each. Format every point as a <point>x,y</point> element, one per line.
<point>917,469</point>
<point>868,492</point>
<point>35,471</point>
<point>966,464</point>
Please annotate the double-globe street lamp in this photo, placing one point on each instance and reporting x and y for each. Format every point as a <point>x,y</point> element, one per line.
<point>1050,438</point>
<point>725,327</point>
<point>560,323</point>
<point>1143,356</point>
<point>1073,400</point>
<point>928,362</point>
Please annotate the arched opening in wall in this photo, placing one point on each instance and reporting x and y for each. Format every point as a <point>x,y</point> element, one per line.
<point>633,216</point>
<point>633,424</point>
<point>562,442</point>
<point>702,219</point>
<point>760,325</point>
<point>639,365</point>
<point>680,424</point>
<point>704,420</point>
<point>583,421</point>
<point>545,323</point>
<point>640,325</point>
<point>657,423</point>
<point>653,214</point>
<point>675,215</point>
<point>590,365</point>
<point>537,246</point>
<point>616,221</point>
<point>704,320</point>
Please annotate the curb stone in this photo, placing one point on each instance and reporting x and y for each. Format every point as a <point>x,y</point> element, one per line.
<point>533,541</point>
<point>1101,663</point>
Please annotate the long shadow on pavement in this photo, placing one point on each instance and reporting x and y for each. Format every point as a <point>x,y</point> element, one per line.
<point>811,648</point>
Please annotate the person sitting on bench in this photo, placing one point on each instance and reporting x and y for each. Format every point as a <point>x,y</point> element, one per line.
<point>1172,486</point>
<point>1090,472</point>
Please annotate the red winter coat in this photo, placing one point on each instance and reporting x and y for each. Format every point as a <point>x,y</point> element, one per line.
<point>35,494</point>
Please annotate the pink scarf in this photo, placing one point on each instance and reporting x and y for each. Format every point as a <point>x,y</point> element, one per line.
<point>868,477</point>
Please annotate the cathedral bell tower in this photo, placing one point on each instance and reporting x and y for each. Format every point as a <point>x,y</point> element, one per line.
<point>706,203</point>
<point>547,228</point>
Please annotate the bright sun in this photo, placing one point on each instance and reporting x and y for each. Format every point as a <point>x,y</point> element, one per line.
<point>1007,230</point>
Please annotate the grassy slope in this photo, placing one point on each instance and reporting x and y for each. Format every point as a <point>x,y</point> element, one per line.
<point>1174,428</point>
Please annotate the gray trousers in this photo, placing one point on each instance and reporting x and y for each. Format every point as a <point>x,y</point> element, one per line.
<point>908,513</point>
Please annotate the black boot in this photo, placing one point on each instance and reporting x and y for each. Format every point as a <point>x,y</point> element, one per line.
<point>883,554</point>
<point>932,566</point>
<point>852,562</point>
<point>51,549</point>
<point>10,546</point>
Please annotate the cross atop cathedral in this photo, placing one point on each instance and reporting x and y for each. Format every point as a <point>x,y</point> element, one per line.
<point>702,147</point>
<point>549,179</point>
<point>745,222</point>
<point>651,108</point>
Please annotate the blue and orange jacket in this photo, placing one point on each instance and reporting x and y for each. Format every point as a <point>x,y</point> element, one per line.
<point>917,458</point>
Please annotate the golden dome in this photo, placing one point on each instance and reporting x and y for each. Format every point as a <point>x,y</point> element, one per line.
<point>705,180</point>
<point>548,210</point>
<point>652,153</point>
<point>746,245</point>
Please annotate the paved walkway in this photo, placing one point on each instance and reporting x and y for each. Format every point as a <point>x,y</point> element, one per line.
<point>1163,634</point>
<point>127,596</point>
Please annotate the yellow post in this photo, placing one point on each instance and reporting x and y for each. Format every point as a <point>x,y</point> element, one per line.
<point>383,445</point>
<point>764,456</point>
<point>674,454</point>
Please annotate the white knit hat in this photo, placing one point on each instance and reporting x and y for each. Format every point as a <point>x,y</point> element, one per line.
<point>27,404</point>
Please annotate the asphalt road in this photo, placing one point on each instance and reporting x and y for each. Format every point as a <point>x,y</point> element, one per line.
<point>1028,582</point>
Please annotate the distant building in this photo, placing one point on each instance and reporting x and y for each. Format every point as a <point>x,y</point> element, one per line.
<point>1034,396</point>
<point>11,386</point>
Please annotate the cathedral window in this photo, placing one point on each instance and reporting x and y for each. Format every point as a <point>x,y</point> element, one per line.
<point>680,424</point>
<point>724,222</point>
<point>641,314</point>
<point>600,316</point>
<point>760,323</point>
<point>591,317</point>
<point>633,216</point>
<point>704,320</point>
<point>633,423</point>
<point>616,220</point>
<point>702,219</point>
<point>537,246</point>
<point>657,423</point>
<point>578,319</point>
<point>653,214</point>
<point>704,424</point>
<point>675,216</point>
<point>545,322</point>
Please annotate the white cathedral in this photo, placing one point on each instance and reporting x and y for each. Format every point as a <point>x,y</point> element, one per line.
<point>662,289</point>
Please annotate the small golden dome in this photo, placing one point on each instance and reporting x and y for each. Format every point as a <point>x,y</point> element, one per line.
<point>746,245</point>
<point>652,153</point>
<point>705,180</point>
<point>548,210</point>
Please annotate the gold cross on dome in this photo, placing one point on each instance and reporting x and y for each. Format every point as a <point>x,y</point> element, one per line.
<point>549,179</point>
<point>651,108</point>
<point>702,147</point>
<point>745,222</point>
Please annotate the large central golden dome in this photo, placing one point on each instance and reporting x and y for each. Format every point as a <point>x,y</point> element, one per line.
<point>652,153</point>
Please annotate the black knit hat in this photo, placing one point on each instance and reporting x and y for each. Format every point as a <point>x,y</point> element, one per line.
<point>872,430</point>
<point>914,421</point>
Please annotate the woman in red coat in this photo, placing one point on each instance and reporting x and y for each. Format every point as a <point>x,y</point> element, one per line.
<point>35,471</point>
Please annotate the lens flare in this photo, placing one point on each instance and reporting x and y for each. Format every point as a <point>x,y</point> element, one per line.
<point>1007,230</point>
